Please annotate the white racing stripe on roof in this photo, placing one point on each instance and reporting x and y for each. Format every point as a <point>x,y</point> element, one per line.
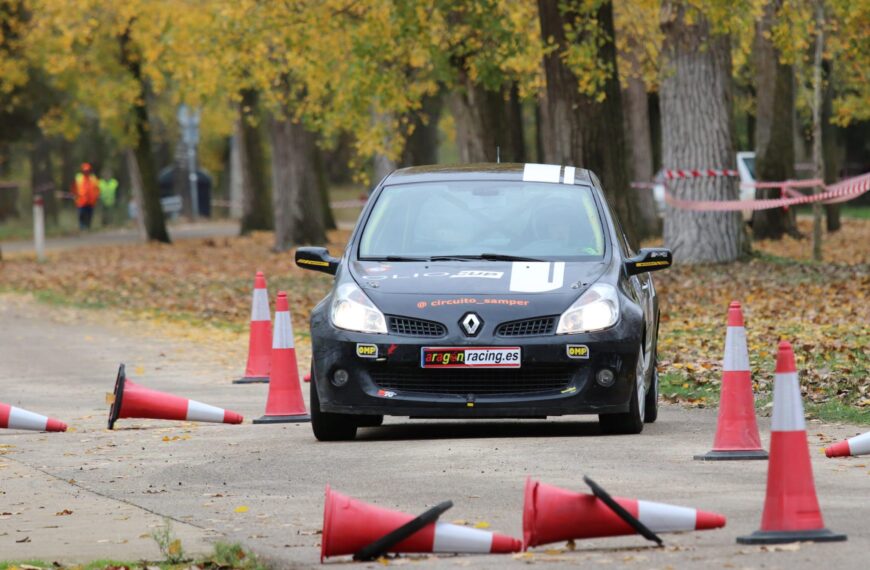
<point>541,172</point>
<point>569,175</point>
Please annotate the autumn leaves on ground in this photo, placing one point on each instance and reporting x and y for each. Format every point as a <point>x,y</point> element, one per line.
<point>824,309</point>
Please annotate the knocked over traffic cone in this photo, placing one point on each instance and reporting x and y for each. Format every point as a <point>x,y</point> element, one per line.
<point>16,418</point>
<point>736,432</point>
<point>131,400</point>
<point>791,509</point>
<point>349,526</point>
<point>858,445</point>
<point>551,514</point>
<point>285,403</point>
<point>260,339</point>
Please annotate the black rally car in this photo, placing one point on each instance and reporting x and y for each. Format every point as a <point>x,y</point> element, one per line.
<point>485,291</point>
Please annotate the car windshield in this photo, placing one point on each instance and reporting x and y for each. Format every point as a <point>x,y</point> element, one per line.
<point>483,220</point>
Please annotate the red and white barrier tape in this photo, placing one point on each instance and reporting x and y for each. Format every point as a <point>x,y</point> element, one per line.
<point>840,192</point>
<point>698,173</point>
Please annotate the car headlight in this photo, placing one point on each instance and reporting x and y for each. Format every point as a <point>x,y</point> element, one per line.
<point>596,309</point>
<point>352,310</point>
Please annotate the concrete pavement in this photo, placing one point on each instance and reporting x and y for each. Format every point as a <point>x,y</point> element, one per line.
<point>61,362</point>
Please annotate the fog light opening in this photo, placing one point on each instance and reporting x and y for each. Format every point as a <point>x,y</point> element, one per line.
<point>340,377</point>
<point>605,377</point>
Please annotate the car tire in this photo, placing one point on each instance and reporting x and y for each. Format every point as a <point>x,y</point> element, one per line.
<point>652,400</point>
<point>369,421</point>
<point>630,422</point>
<point>328,426</point>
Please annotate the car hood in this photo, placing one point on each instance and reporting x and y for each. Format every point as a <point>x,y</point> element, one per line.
<point>476,278</point>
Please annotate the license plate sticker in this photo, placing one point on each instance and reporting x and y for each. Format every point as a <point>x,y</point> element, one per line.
<point>470,357</point>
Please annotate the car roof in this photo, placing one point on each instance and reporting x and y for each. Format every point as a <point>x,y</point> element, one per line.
<point>480,171</point>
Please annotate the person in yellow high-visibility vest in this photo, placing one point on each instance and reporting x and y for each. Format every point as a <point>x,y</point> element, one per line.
<point>108,197</point>
<point>86,191</point>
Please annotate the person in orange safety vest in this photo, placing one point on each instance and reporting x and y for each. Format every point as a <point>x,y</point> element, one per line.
<point>86,191</point>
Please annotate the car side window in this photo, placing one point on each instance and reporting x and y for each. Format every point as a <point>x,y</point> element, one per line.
<point>621,239</point>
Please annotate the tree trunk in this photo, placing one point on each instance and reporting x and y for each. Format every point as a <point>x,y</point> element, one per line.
<point>155,225</point>
<point>818,156</point>
<point>256,206</point>
<point>42,175</point>
<point>488,123</point>
<point>422,146</point>
<point>594,131</point>
<point>237,172</point>
<point>136,191</point>
<point>830,148</point>
<point>295,194</point>
<point>559,128</point>
<point>639,140</point>
<point>696,133</point>
<point>774,145</point>
<point>323,189</point>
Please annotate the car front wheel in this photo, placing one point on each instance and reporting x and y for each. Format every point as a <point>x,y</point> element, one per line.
<point>328,426</point>
<point>629,422</point>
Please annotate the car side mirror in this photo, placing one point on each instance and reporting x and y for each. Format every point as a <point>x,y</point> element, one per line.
<point>649,259</point>
<point>316,259</point>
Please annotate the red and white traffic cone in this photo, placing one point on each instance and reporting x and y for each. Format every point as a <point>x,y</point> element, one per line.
<point>260,338</point>
<point>131,400</point>
<point>285,403</point>
<point>737,431</point>
<point>791,509</point>
<point>349,525</point>
<point>552,514</point>
<point>858,445</point>
<point>17,418</point>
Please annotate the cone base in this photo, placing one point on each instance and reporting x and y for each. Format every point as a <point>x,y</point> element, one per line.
<point>115,408</point>
<point>785,536</point>
<point>301,418</point>
<point>252,380</point>
<point>736,455</point>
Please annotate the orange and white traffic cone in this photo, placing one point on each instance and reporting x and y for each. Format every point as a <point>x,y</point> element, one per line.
<point>285,403</point>
<point>17,418</point>
<point>350,526</point>
<point>260,337</point>
<point>552,514</point>
<point>791,509</point>
<point>858,445</point>
<point>737,431</point>
<point>131,400</point>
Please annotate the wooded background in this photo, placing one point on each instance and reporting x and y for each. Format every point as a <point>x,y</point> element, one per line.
<point>298,96</point>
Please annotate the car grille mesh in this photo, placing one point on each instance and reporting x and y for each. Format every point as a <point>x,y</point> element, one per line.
<point>528,327</point>
<point>540,378</point>
<point>406,326</point>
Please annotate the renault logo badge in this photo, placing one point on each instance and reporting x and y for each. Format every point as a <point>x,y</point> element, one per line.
<point>471,324</point>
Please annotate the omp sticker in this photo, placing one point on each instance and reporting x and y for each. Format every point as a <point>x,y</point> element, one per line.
<point>386,393</point>
<point>568,178</point>
<point>367,350</point>
<point>577,351</point>
<point>479,274</point>
<point>541,173</point>
<point>537,276</point>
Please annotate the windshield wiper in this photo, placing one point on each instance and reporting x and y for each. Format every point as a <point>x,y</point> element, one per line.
<point>395,258</point>
<point>485,256</point>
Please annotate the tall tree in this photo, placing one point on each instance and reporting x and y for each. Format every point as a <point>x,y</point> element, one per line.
<point>696,133</point>
<point>256,205</point>
<point>774,126</point>
<point>594,132</point>
<point>295,193</point>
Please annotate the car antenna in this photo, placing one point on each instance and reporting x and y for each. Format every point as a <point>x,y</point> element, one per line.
<point>497,154</point>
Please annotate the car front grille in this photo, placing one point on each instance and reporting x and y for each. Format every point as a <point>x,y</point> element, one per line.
<point>406,326</point>
<point>528,327</point>
<point>537,378</point>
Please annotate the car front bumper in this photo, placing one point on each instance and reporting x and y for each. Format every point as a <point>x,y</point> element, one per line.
<point>548,382</point>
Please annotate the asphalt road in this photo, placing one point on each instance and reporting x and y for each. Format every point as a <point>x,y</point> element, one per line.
<point>119,484</point>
